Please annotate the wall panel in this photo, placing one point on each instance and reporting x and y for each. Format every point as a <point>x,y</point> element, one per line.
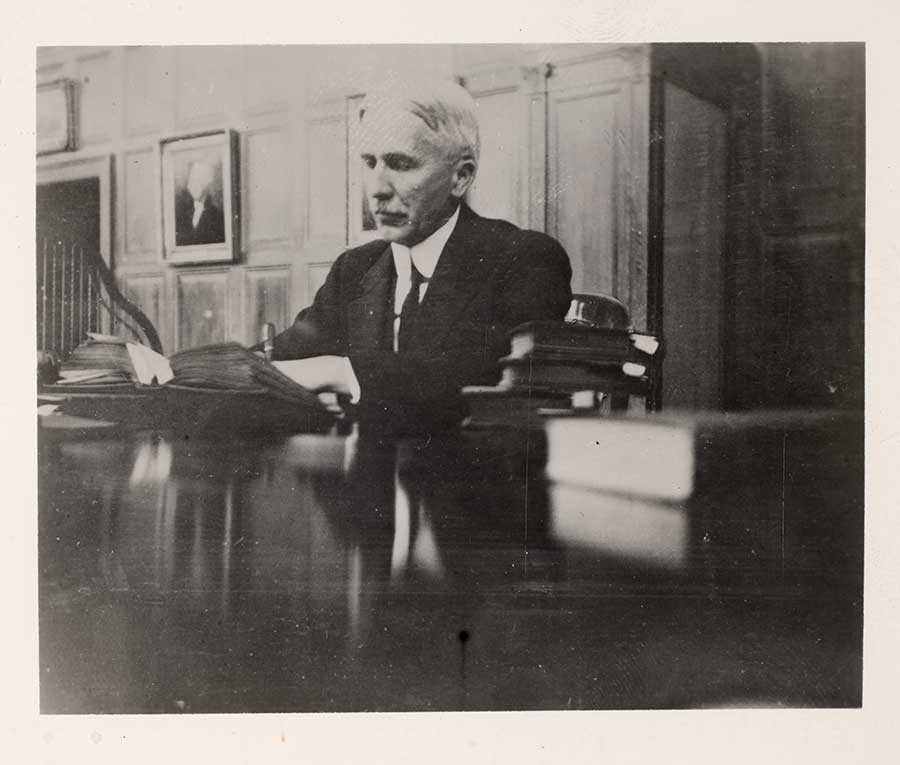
<point>272,75</point>
<point>140,204</point>
<point>149,90</point>
<point>583,192</point>
<point>50,73</point>
<point>266,293</point>
<point>100,85</point>
<point>147,292</point>
<point>327,190</point>
<point>202,307</point>
<point>497,192</point>
<point>208,84</point>
<point>336,72</point>
<point>265,187</point>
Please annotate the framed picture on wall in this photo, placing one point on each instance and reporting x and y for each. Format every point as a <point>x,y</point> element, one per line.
<point>360,225</point>
<point>55,117</point>
<point>200,198</point>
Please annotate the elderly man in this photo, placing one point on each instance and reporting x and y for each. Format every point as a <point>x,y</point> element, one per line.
<point>404,322</point>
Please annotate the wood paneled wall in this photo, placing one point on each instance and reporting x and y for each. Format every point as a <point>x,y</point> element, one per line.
<point>293,108</point>
<point>565,145</point>
<point>288,105</point>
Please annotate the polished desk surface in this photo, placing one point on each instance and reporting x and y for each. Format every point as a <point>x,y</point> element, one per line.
<point>328,573</point>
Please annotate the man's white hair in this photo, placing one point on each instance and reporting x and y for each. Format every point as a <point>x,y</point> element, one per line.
<point>443,105</point>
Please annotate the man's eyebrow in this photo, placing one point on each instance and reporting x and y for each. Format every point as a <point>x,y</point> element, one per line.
<point>394,156</point>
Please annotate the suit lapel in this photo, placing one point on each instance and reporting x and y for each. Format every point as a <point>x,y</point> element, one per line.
<point>461,271</point>
<point>367,313</point>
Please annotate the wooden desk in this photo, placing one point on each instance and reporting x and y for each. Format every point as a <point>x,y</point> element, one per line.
<point>312,573</point>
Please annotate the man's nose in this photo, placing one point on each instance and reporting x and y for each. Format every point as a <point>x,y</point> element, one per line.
<point>378,182</point>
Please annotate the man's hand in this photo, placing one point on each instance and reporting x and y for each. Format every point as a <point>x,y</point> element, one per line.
<point>319,373</point>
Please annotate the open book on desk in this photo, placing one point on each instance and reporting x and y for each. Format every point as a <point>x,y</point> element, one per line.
<point>212,384</point>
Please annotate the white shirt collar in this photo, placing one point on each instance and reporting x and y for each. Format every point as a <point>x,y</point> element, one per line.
<point>425,254</point>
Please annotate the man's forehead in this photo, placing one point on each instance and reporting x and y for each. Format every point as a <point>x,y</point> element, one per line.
<point>392,128</point>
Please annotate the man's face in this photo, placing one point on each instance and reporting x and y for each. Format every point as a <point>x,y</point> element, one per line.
<point>199,178</point>
<point>412,183</point>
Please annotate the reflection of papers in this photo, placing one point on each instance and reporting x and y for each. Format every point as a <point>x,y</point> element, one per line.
<point>322,454</point>
<point>152,463</point>
<point>414,544</point>
<point>620,525</point>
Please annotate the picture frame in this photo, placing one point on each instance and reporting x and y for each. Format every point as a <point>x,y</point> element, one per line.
<point>55,117</point>
<point>200,198</point>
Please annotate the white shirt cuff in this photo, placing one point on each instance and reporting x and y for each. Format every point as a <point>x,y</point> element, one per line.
<point>352,382</point>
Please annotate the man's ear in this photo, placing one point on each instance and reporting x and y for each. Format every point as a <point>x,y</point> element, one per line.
<point>463,176</point>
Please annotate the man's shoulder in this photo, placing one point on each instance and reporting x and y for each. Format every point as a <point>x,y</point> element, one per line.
<point>505,236</point>
<point>367,251</point>
<point>361,257</point>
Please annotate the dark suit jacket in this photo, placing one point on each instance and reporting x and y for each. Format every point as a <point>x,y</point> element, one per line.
<point>491,276</point>
<point>210,228</point>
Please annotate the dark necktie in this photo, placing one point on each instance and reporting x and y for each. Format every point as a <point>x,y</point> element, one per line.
<point>409,308</point>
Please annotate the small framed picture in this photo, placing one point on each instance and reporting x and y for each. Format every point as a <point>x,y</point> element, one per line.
<point>55,112</point>
<point>200,198</point>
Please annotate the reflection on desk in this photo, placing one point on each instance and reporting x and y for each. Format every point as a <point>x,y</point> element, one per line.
<point>327,573</point>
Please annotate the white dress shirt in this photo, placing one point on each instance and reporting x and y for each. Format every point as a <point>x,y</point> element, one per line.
<point>199,204</point>
<point>425,255</point>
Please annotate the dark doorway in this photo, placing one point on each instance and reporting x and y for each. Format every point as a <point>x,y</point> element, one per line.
<point>68,237</point>
<point>69,211</point>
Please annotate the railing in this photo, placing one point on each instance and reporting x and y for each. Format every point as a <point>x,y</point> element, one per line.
<point>77,294</point>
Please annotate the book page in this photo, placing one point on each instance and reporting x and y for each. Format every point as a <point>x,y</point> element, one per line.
<point>148,364</point>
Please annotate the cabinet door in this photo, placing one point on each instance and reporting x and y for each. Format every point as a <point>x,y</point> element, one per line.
<point>694,208</point>
<point>511,115</point>
<point>597,127</point>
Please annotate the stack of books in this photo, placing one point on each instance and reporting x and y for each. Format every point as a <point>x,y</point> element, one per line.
<point>555,365</point>
<point>222,385</point>
<point>740,493</point>
<point>110,360</point>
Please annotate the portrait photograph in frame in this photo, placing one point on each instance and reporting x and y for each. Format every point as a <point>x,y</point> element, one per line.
<point>200,198</point>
